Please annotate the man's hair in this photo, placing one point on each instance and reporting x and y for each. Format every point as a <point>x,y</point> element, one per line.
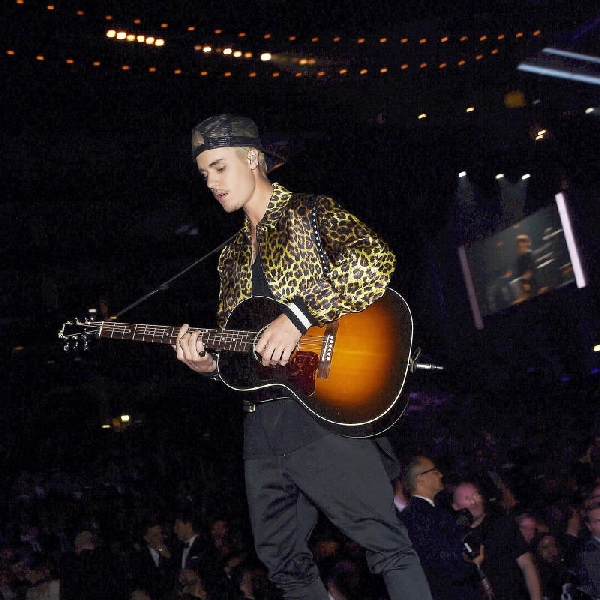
<point>590,508</point>
<point>189,516</point>
<point>148,523</point>
<point>409,478</point>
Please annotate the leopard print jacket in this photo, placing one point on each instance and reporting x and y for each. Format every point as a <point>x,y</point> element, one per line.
<point>353,272</point>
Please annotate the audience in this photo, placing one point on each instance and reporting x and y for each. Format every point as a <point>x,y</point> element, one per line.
<point>533,472</point>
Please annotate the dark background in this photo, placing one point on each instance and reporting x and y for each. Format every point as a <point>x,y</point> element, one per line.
<point>100,198</point>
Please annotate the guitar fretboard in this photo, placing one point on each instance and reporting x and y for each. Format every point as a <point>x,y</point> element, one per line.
<point>215,339</point>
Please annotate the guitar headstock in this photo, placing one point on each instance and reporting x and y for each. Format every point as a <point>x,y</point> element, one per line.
<point>77,334</point>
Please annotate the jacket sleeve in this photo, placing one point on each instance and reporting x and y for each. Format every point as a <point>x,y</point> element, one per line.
<point>360,264</point>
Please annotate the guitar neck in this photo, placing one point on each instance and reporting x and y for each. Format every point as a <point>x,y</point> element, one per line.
<point>215,339</point>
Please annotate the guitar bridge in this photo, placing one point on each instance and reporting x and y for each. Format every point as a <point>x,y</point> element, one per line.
<point>327,350</point>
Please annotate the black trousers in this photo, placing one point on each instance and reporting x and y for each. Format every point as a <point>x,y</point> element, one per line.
<point>345,478</point>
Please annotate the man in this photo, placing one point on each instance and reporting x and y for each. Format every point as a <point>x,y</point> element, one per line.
<point>507,562</point>
<point>589,557</point>
<point>152,569</point>
<point>195,557</point>
<point>294,466</point>
<point>250,580</point>
<point>526,269</point>
<point>91,571</point>
<point>436,536</point>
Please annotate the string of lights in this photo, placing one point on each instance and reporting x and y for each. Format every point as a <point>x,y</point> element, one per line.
<point>136,43</point>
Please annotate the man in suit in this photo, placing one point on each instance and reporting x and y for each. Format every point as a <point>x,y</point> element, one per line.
<point>436,536</point>
<point>196,554</point>
<point>589,557</point>
<point>153,569</point>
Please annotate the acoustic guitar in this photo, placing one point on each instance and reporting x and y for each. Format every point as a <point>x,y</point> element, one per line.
<point>348,374</point>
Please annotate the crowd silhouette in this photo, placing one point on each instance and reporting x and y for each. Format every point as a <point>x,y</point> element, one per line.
<point>116,526</point>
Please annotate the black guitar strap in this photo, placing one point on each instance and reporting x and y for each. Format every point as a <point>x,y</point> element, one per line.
<point>314,222</point>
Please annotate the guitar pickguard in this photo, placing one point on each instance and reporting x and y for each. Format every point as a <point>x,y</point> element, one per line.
<point>298,375</point>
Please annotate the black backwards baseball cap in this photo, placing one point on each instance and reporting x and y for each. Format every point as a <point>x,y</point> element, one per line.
<point>225,131</point>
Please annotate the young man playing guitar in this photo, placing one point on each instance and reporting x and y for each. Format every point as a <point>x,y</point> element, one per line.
<point>319,263</point>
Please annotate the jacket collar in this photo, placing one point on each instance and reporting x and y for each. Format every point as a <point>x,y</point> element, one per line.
<point>279,200</point>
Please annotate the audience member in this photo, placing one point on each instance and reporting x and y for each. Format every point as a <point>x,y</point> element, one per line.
<point>44,582</point>
<point>152,568</point>
<point>436,536</point>
<point>528,526</point>
<point>507,561</point>
<point>589,557</point>
<point>91,572</point>
<point>196,554</point>
<point>553,570</point>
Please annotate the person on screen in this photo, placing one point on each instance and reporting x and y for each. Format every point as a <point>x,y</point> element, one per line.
<point>526,271</point>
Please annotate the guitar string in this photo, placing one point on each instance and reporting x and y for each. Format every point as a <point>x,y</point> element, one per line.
<point>141,330</point>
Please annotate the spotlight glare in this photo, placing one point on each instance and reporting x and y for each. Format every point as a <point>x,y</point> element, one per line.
<point>462,174</point>
<point>500,176</point>
<point>265,56</point>
<point>526,176</point>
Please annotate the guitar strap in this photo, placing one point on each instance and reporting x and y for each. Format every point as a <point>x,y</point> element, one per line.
<point>314,222</point>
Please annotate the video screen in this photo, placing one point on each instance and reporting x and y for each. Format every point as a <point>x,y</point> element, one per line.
<point>530,258</point>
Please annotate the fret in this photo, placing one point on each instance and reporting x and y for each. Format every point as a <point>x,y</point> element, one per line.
<point>236,341</point>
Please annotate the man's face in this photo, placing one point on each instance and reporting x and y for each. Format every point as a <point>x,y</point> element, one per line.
<point>548,549</point>
<point>528,528</point>
<point>593,522</point>
<point>228,176</point>
<point>430,477</point>
<point>468,496</point>
<point>184,531</point>
<point>154,537</point>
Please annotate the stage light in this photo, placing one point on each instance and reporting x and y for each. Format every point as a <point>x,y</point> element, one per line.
<point>565,220</point>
